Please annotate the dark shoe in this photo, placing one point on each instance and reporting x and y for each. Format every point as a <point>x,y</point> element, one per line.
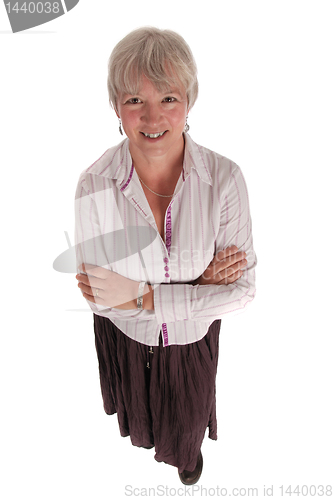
<point>191,477</point>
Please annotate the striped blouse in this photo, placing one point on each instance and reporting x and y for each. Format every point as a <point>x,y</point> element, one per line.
<point>115,228</point>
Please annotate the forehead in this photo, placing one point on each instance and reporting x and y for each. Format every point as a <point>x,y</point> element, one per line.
<point>146,86</point>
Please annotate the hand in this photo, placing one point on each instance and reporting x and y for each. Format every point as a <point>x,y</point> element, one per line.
<point>107,288</point>
<point>224,269</point>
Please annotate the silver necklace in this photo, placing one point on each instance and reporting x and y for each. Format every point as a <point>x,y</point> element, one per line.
<point>162,195</point>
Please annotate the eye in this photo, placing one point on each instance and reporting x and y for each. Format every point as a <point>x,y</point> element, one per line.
<point>170,99</point>
<point>133,100</point>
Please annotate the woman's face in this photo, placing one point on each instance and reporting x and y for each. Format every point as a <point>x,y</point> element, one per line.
<point>152,112</point>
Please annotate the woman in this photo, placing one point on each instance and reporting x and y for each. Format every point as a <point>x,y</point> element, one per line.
<point>163,230</point>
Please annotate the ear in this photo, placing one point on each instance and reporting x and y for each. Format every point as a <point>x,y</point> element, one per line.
<point>115,109</point>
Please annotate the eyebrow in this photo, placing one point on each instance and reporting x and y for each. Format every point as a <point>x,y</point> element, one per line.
<point>166,92</point>
<point>172,91</point>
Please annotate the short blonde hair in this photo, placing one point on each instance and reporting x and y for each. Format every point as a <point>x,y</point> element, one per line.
<point>162,56</point>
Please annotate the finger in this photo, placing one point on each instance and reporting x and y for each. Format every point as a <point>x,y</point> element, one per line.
<point>90,281</point>
<point>239,265</point>
<point>98,272</point>
<point>210,278</point>
<point>223,268</point>
<point>95,300</point>
<point>94,292</point>
<point>85,289</point>
<point>231,279</point>
<point>231,254</point>
<point>238,258</point>
<point>223,254</point>
<point>226,272</point>
<point>91,294</point>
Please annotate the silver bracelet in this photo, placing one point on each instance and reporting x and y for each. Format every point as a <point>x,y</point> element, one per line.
<point>140,295</point>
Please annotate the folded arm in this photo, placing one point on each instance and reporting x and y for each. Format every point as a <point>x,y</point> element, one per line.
<point>179,302</point>
<point>226,285</point>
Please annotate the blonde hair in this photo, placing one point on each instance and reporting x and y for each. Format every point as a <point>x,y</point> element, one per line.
<point>162,56</point>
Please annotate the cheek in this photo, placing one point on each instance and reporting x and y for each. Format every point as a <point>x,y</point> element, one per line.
<point>129,119</point>
<point>178,117</point>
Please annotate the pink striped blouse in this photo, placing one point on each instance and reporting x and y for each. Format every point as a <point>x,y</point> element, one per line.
<point>115,228</point>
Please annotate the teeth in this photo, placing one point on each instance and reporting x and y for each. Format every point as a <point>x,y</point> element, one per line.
<point>153,136</point>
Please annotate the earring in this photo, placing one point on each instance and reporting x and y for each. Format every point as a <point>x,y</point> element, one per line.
<point>120,126</point>
<point>186,127</point>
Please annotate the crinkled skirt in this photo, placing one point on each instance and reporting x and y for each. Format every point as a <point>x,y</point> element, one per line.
<point>167,405</point>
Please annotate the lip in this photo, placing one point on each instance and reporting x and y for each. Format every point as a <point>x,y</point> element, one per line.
<point>151,139</point>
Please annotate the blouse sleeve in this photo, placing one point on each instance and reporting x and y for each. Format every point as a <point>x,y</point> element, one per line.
<point>179,302</point>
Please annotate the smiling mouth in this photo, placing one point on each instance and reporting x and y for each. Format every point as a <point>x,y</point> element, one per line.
<point>154,136</point>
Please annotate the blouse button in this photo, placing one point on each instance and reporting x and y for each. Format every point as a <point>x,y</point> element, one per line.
<point>166,268</point>
<point>167,275</point>
<point>165,259</point>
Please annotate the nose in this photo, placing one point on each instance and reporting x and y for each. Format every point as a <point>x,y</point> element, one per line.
<point>152,115</point>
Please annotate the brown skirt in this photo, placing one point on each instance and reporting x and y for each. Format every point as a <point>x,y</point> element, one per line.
<point>167,405</point>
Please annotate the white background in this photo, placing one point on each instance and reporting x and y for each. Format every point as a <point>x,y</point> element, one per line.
<point>266,101</point>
